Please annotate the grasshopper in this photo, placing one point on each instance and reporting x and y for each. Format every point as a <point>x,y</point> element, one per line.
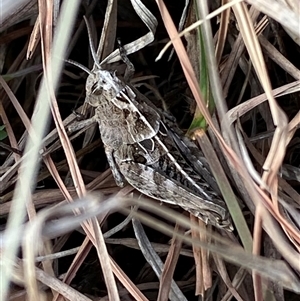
<point>145,148</point>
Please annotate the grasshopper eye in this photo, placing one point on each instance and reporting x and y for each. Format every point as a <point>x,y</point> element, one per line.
<point>95,89</point>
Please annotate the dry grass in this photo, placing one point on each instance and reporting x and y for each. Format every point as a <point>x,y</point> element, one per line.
<point>61,241</point>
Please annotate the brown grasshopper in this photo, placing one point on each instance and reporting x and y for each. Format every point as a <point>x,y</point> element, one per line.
<point>146,149</point>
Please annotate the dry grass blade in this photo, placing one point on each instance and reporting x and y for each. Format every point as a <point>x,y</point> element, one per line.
<point>215,13</point>
<point>279,12</point>
<point>277,271</point>
<point>35,232</point>
<point>108,34</point>
<point>26,176</point>
<point>233,88</point>
<point>17,106</point>
<point>280,136</point>
<point>105,263</point>
<point>237,281</point>
<point>248,105</point>
<point>276,153</point>
<point>169,268</point>
<point>9,131</point>
<point>187,68</point>
<point>149,20</point>
<point>257,280</point>
<point>58,286</point>
<point>203,272</point>
<point>78,260</point>
<point>154,260</point>
<point>74,169</point>
<point>278,58</point>
<point>34,39</point>
<point>222,33</point>
<point>80,187</point>
<point>185,63</point>
<point>13,12</point>
<point>128,284</point>
<point>226,189</point>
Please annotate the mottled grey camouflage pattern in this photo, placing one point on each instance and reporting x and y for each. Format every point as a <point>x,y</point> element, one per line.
<point>147,150</point>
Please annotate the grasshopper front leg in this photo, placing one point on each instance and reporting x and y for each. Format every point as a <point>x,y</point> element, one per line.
<point>78,125</point>
<point>129,72</point>
<point>120,181</point>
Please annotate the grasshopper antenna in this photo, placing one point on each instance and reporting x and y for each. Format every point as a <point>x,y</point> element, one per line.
<point>85,69</point>
<point>93,51</point>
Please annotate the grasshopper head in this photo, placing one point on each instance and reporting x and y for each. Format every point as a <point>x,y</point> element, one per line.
<point>102,84</point>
